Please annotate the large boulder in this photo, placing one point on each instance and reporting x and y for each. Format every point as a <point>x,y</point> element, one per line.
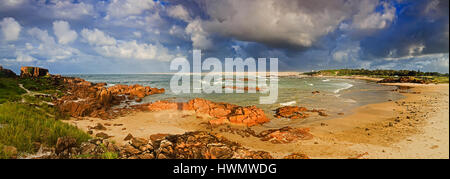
<point>33,72</point>
<point>291,112</point>
<point>7,73</point>
<point>297,112</point>
<point>65,144</point>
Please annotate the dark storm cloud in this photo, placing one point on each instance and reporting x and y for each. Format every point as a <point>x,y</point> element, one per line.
<point>143,35</point>
<point>421,28</point>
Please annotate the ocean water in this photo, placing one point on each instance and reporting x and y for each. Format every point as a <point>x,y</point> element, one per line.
<point>336,95</point>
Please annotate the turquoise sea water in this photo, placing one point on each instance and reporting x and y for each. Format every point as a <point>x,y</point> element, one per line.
<point>336,95</point>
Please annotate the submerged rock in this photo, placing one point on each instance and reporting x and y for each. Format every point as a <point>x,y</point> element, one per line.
<point>296,112</point>
<point>291,112</point>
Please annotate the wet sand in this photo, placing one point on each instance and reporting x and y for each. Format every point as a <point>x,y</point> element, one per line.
<point>414,127</point>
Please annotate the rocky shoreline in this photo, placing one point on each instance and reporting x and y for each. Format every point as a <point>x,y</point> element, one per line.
<point>213,138</point>
<point>83,99</point>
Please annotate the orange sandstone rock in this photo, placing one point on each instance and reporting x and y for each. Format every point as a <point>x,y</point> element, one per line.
<point>222,112</point>
<point>285,135</point>
<point>33,72</point>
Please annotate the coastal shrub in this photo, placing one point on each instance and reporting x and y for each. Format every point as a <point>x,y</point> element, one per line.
<point>378,73</point>
<point>23,124</point>
<point>10,90</point>
<point>440,79</point>
<point>433,77</point>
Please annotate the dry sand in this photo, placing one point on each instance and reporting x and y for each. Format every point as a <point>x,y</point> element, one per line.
<point>414,127</point>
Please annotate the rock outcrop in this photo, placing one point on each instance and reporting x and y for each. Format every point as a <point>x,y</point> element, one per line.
<point>84,98</point>
<point>296,156</point>
<point>223,113</point>
<point>296,112</point>
<point>33,72</point>
<point>67,148</point>
<point>285,135</point>
<point>7,73</point>
<point>191,145</point>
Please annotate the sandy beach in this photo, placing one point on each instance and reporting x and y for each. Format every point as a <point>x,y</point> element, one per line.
<point>414,127</point>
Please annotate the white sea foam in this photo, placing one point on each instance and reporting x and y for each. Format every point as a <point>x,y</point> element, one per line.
<point>325,80</point>
<point>208,82</point>
<point>344,86</point>
<point>349,101</point>
<point>288,103</point>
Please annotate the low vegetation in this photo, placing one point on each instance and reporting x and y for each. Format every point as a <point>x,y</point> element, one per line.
<point>42,85</point>
<point>26,119</point>
<point>24,124</point>
<point>432,77</point>
<point>10,90</point>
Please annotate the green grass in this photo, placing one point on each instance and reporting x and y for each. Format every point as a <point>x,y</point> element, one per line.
<point>440,79</point>
<point>10,90</point>
<point>42,84</point>
<point>24,124</point>
<point>109,155</point>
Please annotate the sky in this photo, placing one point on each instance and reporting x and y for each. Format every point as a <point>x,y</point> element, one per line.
<point>143,36</point>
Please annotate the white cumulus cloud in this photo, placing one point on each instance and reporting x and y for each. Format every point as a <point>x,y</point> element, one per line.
<point>68,10</point>
<point>48,48</point>
<point>11,3</point>
<point>122,8</point>
<point>63,32</point>
<point>134,50</point>
<point>10,28</point>
<point>97,37</point>
<point>179,12</point>
<point>108,46</point>
<point>21,58</point>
